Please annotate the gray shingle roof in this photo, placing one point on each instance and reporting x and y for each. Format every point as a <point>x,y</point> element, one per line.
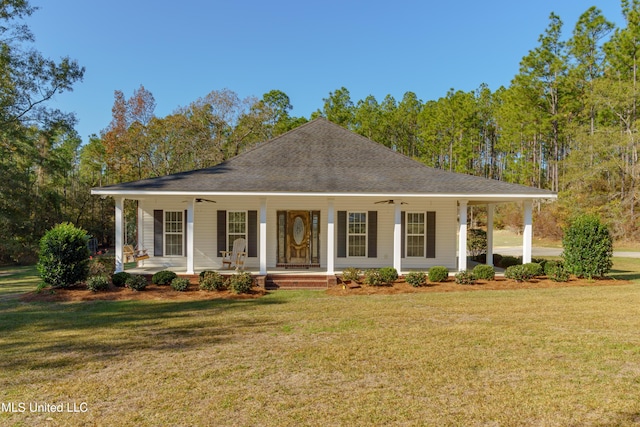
<point>322,157</point>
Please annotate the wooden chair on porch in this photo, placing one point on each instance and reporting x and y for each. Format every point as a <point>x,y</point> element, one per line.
<point>235,256</point>
<point>133,255</point>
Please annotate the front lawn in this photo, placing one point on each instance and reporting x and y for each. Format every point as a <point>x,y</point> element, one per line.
<point>564,356</point>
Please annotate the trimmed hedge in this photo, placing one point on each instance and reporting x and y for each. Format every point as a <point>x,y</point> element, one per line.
<point>372,277</point>
<point>180,284</point>
<point>136,282</point>
<point>351,274</point>
<point>212,280</point>
<point>416,278</point>
<point>98,283</point>
<point>388,275</point>
<point>64,256</point>
<point>588,247</point>
<point>465,278</point>
<point>519,273</point>
<point>120,279</point>
<point>484,272</point>
<point>534,269</point>
<point>241,283</point>
<point>438,274</point>
<point>164,277</point>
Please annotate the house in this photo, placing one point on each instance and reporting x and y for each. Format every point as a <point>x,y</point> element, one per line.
<point>318,197</point>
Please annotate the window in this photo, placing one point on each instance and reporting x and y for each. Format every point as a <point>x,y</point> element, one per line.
<point>173,233</point>
<point>415,234</point>
<point>236,227</point>
<point>357,234</point>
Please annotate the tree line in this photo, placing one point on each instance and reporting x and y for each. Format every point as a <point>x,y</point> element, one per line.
<point>567,122</point>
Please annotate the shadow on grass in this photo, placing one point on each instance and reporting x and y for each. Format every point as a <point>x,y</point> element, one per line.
<point>624,274</point>
<point>63,335</point>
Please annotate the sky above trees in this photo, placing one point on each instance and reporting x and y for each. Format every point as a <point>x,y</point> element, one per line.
<point>182,51</point>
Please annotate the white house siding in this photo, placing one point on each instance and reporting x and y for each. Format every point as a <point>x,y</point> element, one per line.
<point>446,223</point>
<point>205,229</point>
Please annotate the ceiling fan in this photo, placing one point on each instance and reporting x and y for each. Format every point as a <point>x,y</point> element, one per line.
<point>390,202</point>
<point>199,200</point>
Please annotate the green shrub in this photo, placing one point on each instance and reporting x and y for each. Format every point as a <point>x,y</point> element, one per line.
<point>388,275</point>
<point>465,278</point>
<point>534,269</point>
<point>484,272</point>
<point>508,260</point>
<point>136,282</point>
<point>416,278</point>
<point>372,277</point>
<point>241,283</point>
<point>519,273</point>
<point>476,242</point>
<point>557,272</point>
<point>351,274</point>
<point>540,261</point>
<point>212,280</point>
<point>102,266</point>
<point>180,284</point>
<point>551,265</point>
<point>120,279</point>
<point>98,283</point>
<point>588,247</point>
<point>438,274</point>
<point>64,256</point>
<point>164,277</point>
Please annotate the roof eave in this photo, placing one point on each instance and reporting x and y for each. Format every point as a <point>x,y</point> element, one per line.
<point>458,196</point>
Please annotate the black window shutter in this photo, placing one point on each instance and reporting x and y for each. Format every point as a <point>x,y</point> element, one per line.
<point>372,231</point>
<point>342,234</point>
<point>222,232</point>
<point>431,234</point>
<point>252,233</point>
<point>158,229</point>
<point>402,232</point>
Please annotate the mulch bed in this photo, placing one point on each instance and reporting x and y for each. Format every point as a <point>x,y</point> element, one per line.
<point>500,283</point>
<point>151,292</point>
<point>165,293</point>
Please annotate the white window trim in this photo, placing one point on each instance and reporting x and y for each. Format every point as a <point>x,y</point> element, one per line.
<point>246,228</point>
<point>165,233</point>
<point>366,234</point>
<point>406,234</point>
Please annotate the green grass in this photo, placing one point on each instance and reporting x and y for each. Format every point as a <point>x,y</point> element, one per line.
<point>565,356</point>
<point>17,280</point>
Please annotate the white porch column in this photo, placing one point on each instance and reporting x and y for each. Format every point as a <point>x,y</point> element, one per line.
<point>397,237</point>
<point>331,238</point>
<point>462,236</point>
<point>490,211</point>
<point>263,236</point>
<point>140,218</point>
<point>190,236</point>
<point>527,233</point>
<point>119,234</point>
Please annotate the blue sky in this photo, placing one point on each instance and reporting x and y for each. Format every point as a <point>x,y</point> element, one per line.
<point>182,50</point>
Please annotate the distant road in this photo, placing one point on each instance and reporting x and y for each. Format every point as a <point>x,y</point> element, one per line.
<point>538,251</point>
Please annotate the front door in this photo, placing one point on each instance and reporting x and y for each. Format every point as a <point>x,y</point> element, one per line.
<point>298,237</point>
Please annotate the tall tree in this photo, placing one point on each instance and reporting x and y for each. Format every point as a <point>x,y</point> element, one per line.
<point>338,108</point>
<point>31,161</point>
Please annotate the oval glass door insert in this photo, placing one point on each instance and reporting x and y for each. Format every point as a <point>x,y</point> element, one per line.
<point>298,230</point>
